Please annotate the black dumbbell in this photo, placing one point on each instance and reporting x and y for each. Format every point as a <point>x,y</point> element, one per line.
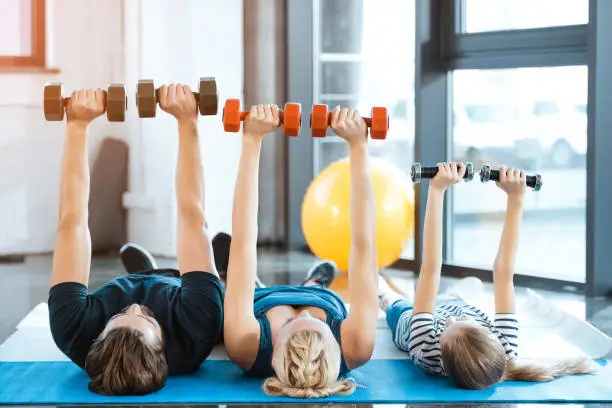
<point>418,173</point>
<point>487,173</point>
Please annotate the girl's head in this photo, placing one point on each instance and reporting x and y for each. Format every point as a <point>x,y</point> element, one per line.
<point>306,359</point>
<point>472,355</point>
<point>128,357</point>
<point>475,359</point>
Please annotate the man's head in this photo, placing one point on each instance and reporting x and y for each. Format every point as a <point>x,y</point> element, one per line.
<point>128,357</point>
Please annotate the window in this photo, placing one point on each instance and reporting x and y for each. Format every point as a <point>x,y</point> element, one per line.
<point>495,15</point>
<point>545,108</point>
<point>536,120</point>
<point>22,33</point>
<point>364,57</point>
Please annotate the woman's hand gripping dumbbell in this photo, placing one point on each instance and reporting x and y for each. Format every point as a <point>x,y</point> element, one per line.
<point>290,117</point>
<point>489,174</point>
<point>320,120</point>
<point>418,172</point>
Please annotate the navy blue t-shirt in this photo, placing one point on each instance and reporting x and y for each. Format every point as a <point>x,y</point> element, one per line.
<point>189,309</point>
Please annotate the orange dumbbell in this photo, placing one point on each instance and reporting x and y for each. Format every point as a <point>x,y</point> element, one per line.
<point>290,117</point>
<point>320,120</point>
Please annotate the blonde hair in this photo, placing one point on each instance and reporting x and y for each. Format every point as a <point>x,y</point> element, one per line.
<point>307,366</point>
<point>475,359</point>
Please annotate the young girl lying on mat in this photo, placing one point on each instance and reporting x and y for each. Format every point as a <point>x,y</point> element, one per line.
<point>454,338</point>
<point>301,337</point>
<point>137,329</point>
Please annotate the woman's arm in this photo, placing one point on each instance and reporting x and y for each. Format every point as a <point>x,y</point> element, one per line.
<point>358,331</point>
<point>241,329</point>
<point>431,264</point>
<point>194,248</point>
<point>513,182</point>
<point>72,254</point>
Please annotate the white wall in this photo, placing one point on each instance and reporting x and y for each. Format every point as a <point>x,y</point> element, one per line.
<point>96,42</point>
<point>86,48</point>
<point>181,41</point>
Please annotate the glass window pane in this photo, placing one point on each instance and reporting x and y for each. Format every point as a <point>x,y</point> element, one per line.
<point>341,26</point>
<point>364,57</point>
<point>494,15</point>
<point>535,119</point>
<point>15,28</point>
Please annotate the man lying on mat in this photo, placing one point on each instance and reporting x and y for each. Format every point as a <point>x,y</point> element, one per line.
<point>301,337</point>
<point>134,331</point>
<point>452,338</point>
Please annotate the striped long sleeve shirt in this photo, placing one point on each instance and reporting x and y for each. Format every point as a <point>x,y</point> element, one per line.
<point>419,334</point>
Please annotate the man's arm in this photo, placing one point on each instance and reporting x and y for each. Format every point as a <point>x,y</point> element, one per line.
<point>194,248</point>
<point>72,253</point>
<point>241,329</point>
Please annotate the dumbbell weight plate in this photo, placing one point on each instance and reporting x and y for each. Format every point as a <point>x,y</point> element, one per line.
<point>116,103</point>
<point>208,97</point>
<point>415,173</point>
<point>53,102</point>
<point>380,123</point>
<point>292,119</point>
<point>231,115</point>
<point>146,98</point>
<point>319,120</point>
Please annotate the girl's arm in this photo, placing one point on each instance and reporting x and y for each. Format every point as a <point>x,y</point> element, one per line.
<point>194,248</point>
<point>358,331</point>
<point>241,329</point>
<point>431,266</point>
<point>72,254</point>
<point>513,182</point>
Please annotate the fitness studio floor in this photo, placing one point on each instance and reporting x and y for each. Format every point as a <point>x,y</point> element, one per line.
<point>29,279</point>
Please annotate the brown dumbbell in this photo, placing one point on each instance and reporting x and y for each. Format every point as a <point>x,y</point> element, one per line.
<point>55,103</point>
<point>147,97</point>
<point>320,120</point>
<point>290,117</point>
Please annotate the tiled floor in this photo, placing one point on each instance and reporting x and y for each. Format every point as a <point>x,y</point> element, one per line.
<point>24,285</point>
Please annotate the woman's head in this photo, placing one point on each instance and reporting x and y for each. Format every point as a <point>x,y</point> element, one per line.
<point>472,355</point>
<point>307,361</point>
<point>128,357</point>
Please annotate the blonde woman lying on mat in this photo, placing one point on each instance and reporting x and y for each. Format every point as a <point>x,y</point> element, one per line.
<point>454,338</point>
<point>301,338</point>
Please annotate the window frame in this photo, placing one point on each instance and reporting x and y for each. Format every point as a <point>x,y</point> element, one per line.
<point>441,47</point>
<point>37,57</point>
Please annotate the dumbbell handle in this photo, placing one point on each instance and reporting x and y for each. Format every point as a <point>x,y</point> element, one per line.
<point>281,116</point>
<point>531,181</point>
<point>67,99</point>
<point>195,94</point>
<point>418,173</point>
<point>368,121</point>
<point>430,172</point>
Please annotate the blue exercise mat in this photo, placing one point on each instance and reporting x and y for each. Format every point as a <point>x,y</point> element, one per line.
<point>218,382</point>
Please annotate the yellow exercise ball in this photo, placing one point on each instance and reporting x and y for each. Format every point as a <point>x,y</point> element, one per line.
<point>326,218</point>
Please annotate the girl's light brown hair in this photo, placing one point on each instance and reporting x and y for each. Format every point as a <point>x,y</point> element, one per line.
<point>474,359</point>
<point>307,366</point>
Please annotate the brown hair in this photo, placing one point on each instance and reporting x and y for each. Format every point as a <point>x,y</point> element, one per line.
<point>474,360</point>
<point>122,363</point>
<point>307,366</point>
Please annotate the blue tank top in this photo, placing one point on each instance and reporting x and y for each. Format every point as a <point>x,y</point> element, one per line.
<point>267,298</point>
